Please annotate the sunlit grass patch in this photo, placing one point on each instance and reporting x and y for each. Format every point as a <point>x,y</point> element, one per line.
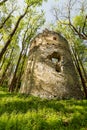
<point>21,112</point>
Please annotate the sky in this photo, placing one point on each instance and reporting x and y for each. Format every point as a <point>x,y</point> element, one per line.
<point>46,6</point>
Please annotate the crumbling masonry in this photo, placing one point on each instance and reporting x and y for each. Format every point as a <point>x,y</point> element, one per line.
<point>50,72</point>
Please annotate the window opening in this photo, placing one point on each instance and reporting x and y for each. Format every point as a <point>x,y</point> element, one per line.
<point>56,58</point>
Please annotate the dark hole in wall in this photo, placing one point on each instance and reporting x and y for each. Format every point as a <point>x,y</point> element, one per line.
<point>54,38</point>
<point>56,56</point>
<point>35,42</point>
<point>55,59</point>
<point>58,68</point>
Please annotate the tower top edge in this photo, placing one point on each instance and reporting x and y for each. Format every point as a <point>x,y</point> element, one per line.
<point>46,33</point>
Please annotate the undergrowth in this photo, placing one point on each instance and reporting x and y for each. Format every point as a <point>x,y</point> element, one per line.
<point>21,112</point>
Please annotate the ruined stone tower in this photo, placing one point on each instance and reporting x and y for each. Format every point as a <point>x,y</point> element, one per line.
<point>50,72</point>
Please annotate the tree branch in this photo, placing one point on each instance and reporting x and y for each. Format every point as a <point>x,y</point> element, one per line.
<point>6,19</point>
<point>84,27</point>
<point>12,33</point>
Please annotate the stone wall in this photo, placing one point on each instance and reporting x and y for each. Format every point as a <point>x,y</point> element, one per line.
<point>50,72</point>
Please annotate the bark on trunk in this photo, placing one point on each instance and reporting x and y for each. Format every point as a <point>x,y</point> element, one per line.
<point>80,72</point>
<point>12,85</point>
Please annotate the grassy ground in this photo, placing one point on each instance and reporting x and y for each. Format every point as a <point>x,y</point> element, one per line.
<point>19,112</point>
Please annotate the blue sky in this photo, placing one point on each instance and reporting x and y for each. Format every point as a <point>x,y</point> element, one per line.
<point>47,6</point>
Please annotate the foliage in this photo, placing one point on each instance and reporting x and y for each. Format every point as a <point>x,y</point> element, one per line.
<point>73,40</point>
<point>22,112</point>
<point>17,28</point>
<point>74,28</point>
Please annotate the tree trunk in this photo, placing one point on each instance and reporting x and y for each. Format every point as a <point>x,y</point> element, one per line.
<point>8,64</point>
<point>3,61</point>
<point>20,74</point>
<point>83,69</point>
<point>12,85</point>
<point>80,72</point>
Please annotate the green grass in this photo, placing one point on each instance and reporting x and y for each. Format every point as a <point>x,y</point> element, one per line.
<point>21,112</point>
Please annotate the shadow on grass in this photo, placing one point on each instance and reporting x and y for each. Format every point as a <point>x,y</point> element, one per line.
<point>5,95</point>
<point>23,103</point>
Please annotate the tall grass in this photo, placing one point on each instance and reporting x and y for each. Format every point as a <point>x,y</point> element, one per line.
<point>21,112</point>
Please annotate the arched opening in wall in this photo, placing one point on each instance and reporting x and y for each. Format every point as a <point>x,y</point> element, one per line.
<point>55,58</point>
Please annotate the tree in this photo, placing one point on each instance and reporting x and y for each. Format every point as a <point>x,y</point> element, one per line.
<point>6,67</point>
<point>30,31</point>
<point>77,23</point>
<point>12,33</point>
<point>3,22</point>
<point>31,3</point>
<point>74,28</point>
<point>16,31</point>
